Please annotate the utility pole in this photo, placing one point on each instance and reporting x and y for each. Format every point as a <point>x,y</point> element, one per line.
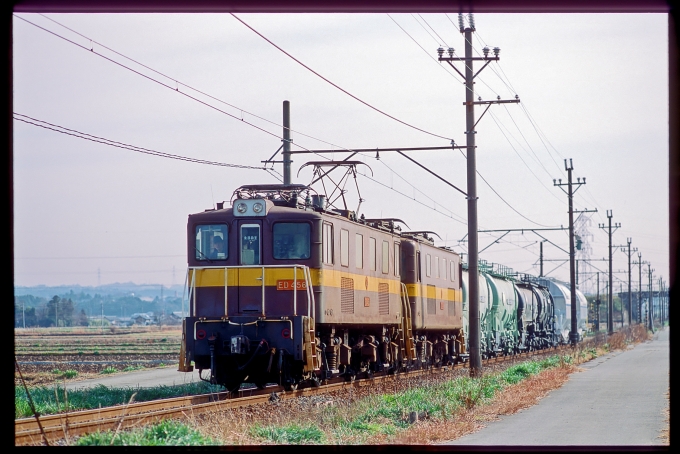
<point>659,305</point>
<point>573,334</point>
<point>286,143</point>
<point>649,299</point>
<point>610,319</point>
<point>639,312</point>
<point>597,302</point>
<point>540,257</point>
<point>470,123</point>
<point>628,250</point>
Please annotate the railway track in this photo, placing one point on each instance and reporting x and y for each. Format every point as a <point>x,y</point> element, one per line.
<point>63,426</point>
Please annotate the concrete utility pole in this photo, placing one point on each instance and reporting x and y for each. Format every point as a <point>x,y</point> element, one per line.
<point>573,333</point>
<point>649,299</point>
<point>610,319</point>
<point>470,123</point>
<point>286,143</point>
<point>597,302</point>
<point>628,250</point>
<point>659,306</point>
<point>639,263</point>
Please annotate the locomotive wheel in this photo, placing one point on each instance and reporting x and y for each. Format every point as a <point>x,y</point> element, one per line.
<point>232,384</point>
<point>290,386</point>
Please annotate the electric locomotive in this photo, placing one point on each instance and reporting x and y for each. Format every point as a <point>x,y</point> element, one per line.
<point>283,289</point>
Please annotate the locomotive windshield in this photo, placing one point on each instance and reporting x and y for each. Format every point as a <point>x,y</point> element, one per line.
<point>292,240</point>
<point>250,244</point>
<point>212,242</point>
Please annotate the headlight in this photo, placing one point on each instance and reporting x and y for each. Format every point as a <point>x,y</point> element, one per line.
<point>258,207</point>
<point>241,207</point>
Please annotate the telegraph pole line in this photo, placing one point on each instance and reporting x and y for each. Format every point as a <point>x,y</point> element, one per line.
<point>470,123</point>
<point>610,302</point>
<point>639,263</point>
<point>628,250</point>
<point>573,333</point>
<point>649,298</point>
<point>597,302</point>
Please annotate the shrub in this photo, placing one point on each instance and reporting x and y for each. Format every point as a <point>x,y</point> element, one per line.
<point>70,373</point>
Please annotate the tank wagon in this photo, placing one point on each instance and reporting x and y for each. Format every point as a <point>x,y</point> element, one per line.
<point>516,313</point>
<point>284,290</point>
<point>562,297</point>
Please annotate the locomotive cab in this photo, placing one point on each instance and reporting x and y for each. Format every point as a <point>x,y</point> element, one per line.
<point>250,287</point>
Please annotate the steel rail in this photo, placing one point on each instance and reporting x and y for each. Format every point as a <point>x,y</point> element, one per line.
<point>68,424</point>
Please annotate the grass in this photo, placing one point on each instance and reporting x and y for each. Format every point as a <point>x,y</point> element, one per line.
<point>386,415</point>
<point>291,434</point>
<point>50,400</point>
<point>109,370</point>
<point>165,433</point>
<point>65,374</point>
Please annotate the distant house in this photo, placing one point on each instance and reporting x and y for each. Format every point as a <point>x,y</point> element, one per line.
<point>171,319</point>
<point>141,319</point>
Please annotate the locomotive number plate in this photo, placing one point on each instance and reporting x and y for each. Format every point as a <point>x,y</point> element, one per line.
<point>290,284</point>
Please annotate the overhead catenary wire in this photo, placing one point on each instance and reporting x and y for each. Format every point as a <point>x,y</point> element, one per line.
<point>337,86</point>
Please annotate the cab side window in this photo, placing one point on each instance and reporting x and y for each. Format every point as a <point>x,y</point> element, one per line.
<point>328,244</point>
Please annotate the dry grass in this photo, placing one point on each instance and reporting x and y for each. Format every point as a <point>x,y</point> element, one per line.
<point>665,435</point>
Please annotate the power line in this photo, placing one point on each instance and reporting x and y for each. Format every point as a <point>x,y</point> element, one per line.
<point>189,86</point>
<point>113,143</point>
<point>409,197</point>
<point>426,52</point>
<point>175,89</point>
<point>522,159</point>
<point>505,201</point>
<point>337,86</point>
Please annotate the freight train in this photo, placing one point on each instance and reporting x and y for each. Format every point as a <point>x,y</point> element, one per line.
<point>284,289</point>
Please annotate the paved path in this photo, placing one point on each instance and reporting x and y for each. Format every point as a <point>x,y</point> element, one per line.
<point>140,379</point>
<point>617,400</point>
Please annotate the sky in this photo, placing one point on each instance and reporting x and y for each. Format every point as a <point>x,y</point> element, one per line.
<point>593,89</point>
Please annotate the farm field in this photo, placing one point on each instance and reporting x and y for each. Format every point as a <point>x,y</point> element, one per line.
<point>53,355</point>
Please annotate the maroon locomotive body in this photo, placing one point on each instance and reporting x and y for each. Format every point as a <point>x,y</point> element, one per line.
<point>284,290</point>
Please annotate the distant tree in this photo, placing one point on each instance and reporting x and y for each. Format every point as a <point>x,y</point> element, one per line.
<point>82,318</point>
<point>53,310</point>
<point>66,309</point>
<point>60,311</point>
<point>31,319</point>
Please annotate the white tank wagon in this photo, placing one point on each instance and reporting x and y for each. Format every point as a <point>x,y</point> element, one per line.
<point>561,295</point>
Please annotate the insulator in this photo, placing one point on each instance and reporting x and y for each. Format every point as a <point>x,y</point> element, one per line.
<point>472,21</point>
<point>461,24</point>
